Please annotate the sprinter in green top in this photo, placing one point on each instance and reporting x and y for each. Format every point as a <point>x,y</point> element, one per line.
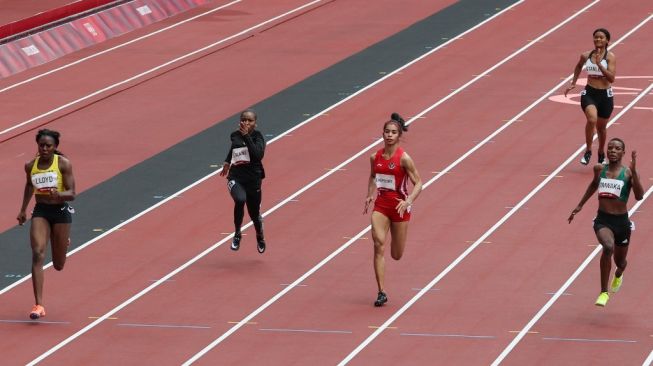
<point>612,225</point>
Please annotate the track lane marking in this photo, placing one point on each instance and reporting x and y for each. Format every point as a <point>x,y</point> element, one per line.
<point>74,63</point>
<point>157,68</point>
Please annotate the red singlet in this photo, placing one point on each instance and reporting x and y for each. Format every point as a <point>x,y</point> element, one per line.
<point>390,180</point>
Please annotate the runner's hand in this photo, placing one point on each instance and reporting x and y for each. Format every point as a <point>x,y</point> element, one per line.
<point>574,212</point>
<point>569,88</point>
<point>633,161</point>
<point>368,201</point>
<point>225,169</point>
<point>402,206</point>
<point>21,218</point>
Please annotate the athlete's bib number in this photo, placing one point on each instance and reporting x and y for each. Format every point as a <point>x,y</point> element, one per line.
<point>385,181</point>
<point>610,188</point>
<point>239,155</point>
<point>610,93</point>
<point>43,182</point>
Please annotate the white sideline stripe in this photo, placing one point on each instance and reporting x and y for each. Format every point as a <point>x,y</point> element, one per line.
<point>115,47</point>
<point>496,225</point>
<point>588,340</point>
<point>157,68</point>
<point>442,173</point>
<point>566,285</point>
<point>306,330</point>
<point>208,250</point>
<point>136,325</point>
<point>648,360</point>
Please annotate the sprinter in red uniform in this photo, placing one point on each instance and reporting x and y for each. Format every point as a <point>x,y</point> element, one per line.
<point>390,168</point>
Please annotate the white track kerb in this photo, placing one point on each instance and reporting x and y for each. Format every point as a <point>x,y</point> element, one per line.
<point>502,220</point>
<point>160,67</point>
<point>26,81</point>
<point>216,245</point>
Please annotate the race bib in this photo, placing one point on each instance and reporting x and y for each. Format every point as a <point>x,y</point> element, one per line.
<point>610,93</point>
<point>610,188</point>
<point>43,182</point>
<point>385,181</point>
<point>239,155</point>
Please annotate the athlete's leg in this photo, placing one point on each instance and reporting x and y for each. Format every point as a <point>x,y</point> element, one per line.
<point>60,240</point>
<point>620,261</point>
<point>601,131</point>
<point>253,202</point>
<point>590,125</point>
<point>238,194</point>
<point>39,235</point>
<point>399,232</point>
<point>606,239</point>
<point>380,227</point>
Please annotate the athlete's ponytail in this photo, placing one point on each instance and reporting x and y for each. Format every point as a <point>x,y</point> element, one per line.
<point>399,121</point>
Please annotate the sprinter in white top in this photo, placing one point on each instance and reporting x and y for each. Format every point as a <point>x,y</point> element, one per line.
<point>596,100</point>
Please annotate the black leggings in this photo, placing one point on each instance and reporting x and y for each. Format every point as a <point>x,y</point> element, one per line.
<point>247,193</point>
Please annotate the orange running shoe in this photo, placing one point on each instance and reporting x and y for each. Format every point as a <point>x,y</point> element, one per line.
<point>38,311</point>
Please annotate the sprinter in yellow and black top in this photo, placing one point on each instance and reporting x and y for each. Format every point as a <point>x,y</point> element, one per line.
<point>50,180</point>
<point>612,226</point>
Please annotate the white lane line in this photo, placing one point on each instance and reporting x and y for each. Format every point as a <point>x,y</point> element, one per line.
<point>447,335</point>
<point>136,325</point>
<point>31,321</point>
<point>365,230</point>
<point>115,47</point>
<point>157,68</point>
<point>493,228</point>
<point>305,122</point>
<point>306,330</point>
<point>588,340</point>
<point>648,360</point>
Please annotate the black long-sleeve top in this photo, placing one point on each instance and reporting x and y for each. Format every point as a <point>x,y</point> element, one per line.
<point>252,170</point>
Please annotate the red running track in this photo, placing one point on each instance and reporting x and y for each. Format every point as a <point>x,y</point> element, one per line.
<point>239,283</point>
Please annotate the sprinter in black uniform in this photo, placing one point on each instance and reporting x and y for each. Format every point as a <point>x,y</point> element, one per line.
<point>244,170</point>
<point>596,100</point>
<point>612,226</point>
